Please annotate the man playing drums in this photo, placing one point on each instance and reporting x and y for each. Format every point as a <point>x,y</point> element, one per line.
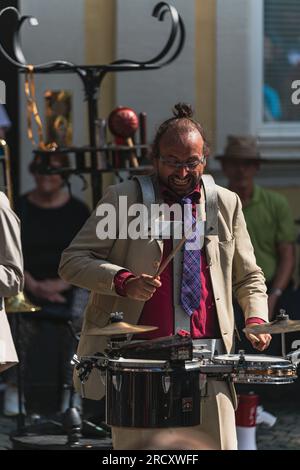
<point>194,292</point>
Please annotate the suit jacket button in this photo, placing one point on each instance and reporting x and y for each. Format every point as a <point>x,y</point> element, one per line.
<point>156,264</point>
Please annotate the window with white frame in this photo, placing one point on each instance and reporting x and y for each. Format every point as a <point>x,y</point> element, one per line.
<point>258,59</point>
<point>281,60</point>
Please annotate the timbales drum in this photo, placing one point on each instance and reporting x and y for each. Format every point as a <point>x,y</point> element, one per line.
<point>258,369</point>
<point>152,393</point>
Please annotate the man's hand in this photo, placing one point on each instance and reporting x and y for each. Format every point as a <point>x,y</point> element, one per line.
<point>141,287</point>
<point>259,341</point>
<point>48,289</point>
<point>45,291</point>
<point>56,285</point>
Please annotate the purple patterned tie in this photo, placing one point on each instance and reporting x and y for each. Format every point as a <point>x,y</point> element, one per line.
<point>191,282</point>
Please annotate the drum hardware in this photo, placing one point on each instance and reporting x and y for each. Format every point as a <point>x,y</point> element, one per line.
<point>294,357</point>
<point>166,383</point>
<point>174,349</point>
<point>282,324</point>
<point>242,365</point>
<point>66,433</point>
<point>208,347</point>
<point>242,359</point>
<point>117,327</point>
<point>283,345</point>
<point>203,384</point>
<point>162,391</point>
<point>170,391</point>
<point>86,364</point>
<point>202,353</point>
<point>72,424</point>
<point>117,382</point>
<point>215,371</point>
<point>258,369</point>
<point>115,344</point>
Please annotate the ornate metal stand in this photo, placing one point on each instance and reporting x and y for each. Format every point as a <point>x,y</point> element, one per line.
<point>92,76</point>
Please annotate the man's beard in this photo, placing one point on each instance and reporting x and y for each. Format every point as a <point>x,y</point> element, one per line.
<point>183,186</point>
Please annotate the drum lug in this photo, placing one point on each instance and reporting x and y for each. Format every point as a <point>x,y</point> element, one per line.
<point>117,382</point>
<point>202,381</point>
<point>166,383</point>
<point>103,376</point>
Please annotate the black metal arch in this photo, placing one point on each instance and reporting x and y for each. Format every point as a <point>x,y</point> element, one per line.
<point>160,11</point>
<point>93,75</point>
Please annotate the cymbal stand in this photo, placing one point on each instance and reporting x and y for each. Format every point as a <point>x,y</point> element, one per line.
<point>283,345</point>
<point>20,388</point>
<point>282,316</point>
<point>72,422</point>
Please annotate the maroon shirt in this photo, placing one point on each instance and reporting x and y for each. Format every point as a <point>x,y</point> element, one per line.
<point>159,310</point>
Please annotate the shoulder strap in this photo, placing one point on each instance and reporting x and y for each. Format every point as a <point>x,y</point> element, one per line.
<point>147,189</point>
<point>211,200</point>
<point>149,197</point>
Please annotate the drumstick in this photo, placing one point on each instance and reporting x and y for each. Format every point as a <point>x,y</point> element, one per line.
<point>174,251</point>
<point>254,338</point>
<point>170,257</point>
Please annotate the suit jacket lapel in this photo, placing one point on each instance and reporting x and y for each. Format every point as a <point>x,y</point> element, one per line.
<point>217,282</point>
<point>158,200</point>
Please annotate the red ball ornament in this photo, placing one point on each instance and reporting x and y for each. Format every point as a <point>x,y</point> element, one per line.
<point>123,122</point>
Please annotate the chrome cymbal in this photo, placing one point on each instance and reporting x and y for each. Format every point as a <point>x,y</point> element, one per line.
<point>276,326</point>
<point>119,328</point>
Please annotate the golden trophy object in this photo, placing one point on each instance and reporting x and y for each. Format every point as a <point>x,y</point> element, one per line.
<point>17,303</point>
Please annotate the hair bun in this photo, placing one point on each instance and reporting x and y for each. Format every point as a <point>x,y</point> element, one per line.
<point>183,110</point>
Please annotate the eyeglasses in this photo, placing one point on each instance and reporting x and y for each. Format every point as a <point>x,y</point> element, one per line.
<point>190,166</point>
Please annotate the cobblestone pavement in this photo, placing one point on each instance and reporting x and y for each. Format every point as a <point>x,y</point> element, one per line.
<point>6,427</point>
<point>284,435</point>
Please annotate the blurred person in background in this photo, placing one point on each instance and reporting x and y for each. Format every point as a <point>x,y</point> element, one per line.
<point>270,225</point>
<point>50,218</point>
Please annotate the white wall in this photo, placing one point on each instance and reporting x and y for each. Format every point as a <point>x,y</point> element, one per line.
<point>238,68</point>
<point>141,36</point>
<point>59,36</point>
<point>239,72</point>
